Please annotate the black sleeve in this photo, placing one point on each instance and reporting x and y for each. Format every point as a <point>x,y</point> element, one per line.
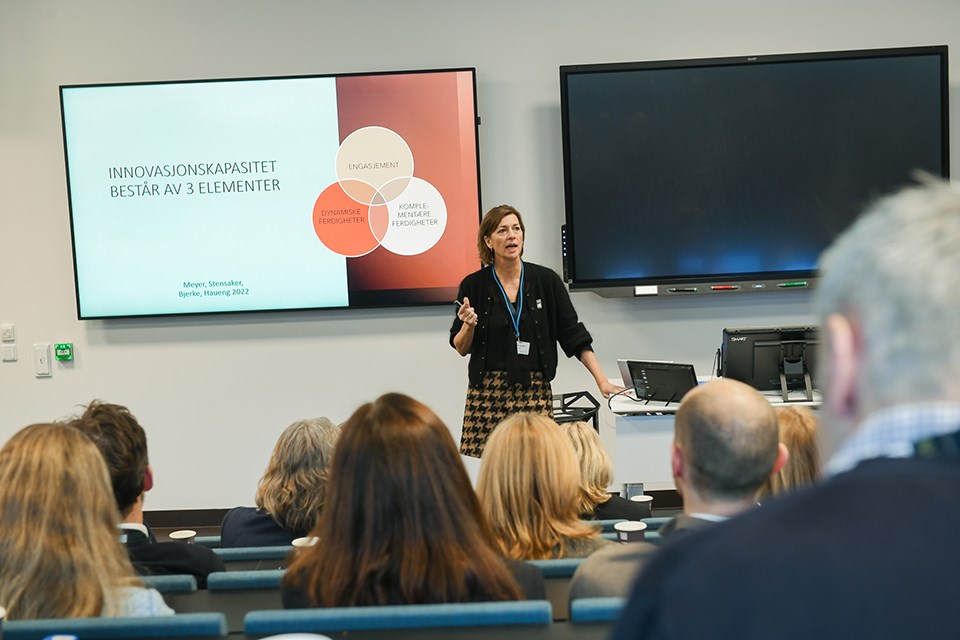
<point>572,335</point>
<point>168,558</point>
<point>472,288</point>
<point>457,323</point>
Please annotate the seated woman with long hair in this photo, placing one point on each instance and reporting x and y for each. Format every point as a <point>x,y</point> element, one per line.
<point>291,492</point>
<point>799,433</point>
<point>59,552</point>
<point>529,488</point>
<point>402,524</point>
<point>596,474</point>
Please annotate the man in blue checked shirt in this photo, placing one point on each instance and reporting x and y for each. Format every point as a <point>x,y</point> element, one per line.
<point>872,551</point>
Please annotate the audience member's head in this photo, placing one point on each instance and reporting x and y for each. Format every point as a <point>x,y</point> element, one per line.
<point>799,433</point>
<point>596,469</point>
<point>294,486</point>
<point>401,523</point>
<point>123,444</point>
<point>59,556</point>
<point>889,308</point>
<point>725,447</point>
<point>529,488</point>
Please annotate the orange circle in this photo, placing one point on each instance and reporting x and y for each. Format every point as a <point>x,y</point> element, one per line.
<point>342,224</point>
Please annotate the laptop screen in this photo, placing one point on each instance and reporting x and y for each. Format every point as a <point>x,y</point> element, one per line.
<point>661,381</point>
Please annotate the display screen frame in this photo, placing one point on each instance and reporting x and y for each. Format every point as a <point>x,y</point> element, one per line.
<point>753,354</point>
<point>603,236</point>
<point>423,122</point>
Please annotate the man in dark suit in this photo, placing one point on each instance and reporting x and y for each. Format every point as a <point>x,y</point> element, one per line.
<point>872,551</point>
<point>725,448</point>
<point>123,444</point>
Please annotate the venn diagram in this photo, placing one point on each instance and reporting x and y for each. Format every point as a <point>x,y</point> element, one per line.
<point>376,200</point>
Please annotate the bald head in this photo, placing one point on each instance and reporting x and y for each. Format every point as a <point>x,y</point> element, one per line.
<point>728,434</point>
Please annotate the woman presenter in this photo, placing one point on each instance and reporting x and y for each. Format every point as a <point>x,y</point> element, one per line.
<point>510,318</point>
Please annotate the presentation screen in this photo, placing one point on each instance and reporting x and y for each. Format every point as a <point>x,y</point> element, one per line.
<point>315,192</point>
<point>733,171</point>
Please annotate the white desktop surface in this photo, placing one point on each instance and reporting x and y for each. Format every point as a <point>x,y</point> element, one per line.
<point>626,404</point>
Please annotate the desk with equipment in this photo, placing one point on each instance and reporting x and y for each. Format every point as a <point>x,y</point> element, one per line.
<point>778,361</point>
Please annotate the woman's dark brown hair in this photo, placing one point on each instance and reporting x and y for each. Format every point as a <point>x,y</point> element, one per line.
<point>491,220</point>
<point>402,524</point>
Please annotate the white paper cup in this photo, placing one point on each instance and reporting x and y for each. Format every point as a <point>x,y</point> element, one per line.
<point>643,498</point>
<point>184,535</point>
<point>306,541</point>
<point>630,531</point>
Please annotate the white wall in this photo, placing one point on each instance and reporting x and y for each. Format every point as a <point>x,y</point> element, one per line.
<point>214,392</point>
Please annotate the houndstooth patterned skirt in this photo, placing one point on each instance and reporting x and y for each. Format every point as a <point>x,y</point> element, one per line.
<point>494,400</point>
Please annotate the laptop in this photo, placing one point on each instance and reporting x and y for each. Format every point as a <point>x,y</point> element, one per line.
<point>656,381</point>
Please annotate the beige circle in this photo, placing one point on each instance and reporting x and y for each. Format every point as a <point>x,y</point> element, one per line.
<point>368,159</point>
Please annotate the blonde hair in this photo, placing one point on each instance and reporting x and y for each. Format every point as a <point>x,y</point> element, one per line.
<point>59,551</point>
<point>294,486</point>
<point>799,432</point>
<point>596,469</point>
<point>528,487</point>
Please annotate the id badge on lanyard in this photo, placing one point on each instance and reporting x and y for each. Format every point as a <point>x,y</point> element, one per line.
<point>523,347</point>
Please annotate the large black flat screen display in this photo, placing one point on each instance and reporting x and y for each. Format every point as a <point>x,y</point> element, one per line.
<point>739,168</point>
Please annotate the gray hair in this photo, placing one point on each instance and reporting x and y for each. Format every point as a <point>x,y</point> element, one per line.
<point>293,489</point>
<point>894,272</point>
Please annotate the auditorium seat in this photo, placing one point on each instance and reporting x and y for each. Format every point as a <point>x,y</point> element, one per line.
<point>411,616</point>
<point>655,523</point>
<point>191,625</point>
<point>557,574</point>
<point>606,526</point>
<point>253,558</point>
<point>234,594</point>
<point>176,583</point>
<point>596,609</point>
<point>212,542</point>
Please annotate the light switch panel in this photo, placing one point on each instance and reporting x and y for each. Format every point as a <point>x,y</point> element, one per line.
<point>41,360</point>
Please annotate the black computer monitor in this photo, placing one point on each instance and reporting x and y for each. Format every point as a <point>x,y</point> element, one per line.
<point>772,358</point>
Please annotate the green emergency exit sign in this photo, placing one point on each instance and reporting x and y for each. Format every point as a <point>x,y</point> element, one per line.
<point>63,351</point>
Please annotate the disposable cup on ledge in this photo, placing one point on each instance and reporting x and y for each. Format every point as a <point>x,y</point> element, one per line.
<point>305,541</point>
<point>647,501</point>
<point>184,535</point>
<point>630,531</point>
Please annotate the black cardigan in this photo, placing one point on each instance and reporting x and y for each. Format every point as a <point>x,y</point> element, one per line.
<point>548,314</point>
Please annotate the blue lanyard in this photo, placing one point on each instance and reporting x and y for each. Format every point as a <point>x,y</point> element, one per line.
<point>515,318</point>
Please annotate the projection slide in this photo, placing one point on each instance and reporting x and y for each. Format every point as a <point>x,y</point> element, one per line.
<point>268,194</point>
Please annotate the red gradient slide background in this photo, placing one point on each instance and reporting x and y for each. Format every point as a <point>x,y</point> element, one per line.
<point>434,113</point>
